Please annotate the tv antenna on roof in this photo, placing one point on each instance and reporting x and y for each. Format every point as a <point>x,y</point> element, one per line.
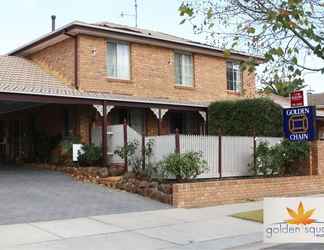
<point>123,14</point>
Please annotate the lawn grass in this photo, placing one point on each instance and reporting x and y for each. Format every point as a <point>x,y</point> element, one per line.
<point>255,215</point>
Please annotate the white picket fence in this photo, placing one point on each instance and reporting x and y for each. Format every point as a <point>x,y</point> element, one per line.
<point>235,155</point>
<point>162,146</point>
<point>236,152</point>
<point>207,146</point>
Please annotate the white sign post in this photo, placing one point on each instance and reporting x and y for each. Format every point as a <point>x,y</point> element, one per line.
<point>76,149</point>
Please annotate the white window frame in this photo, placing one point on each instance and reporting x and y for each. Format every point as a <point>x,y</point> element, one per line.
<point>235,70</point>
<point>182,82</point>
<point>119,74</point>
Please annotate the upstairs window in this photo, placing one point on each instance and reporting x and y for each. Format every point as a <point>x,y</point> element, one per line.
<point>184,69</point>
<point>118,60</point>
<point>234,76</point>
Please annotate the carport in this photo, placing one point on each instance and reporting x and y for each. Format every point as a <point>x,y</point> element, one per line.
<point>28,92</point>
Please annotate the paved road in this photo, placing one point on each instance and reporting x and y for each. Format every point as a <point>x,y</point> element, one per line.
<point>28,195</point>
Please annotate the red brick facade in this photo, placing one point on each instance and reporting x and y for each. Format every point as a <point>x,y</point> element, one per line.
<point>153,74</point>
<point>152,71</point>
<point>58,60</point>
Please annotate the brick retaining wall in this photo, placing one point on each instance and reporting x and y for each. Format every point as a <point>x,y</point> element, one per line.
<point>200,194</point>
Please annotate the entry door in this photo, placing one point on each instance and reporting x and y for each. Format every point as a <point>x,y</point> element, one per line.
<point>184,121</point>
<point>176,122</point>
<point>136,120</point>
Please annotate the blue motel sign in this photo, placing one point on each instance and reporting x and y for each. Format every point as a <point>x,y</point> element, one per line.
<point>299,123</point>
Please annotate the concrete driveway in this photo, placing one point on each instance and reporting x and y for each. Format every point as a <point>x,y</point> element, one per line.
<point>28,195</point>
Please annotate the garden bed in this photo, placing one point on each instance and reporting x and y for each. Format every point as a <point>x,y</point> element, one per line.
<point>196,193</point>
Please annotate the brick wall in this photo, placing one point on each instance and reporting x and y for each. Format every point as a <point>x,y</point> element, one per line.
<point>153,74</point>
<point>58,60</point>
<point>86,115</point>
<point>216,192</point>
<point>152,71</point>
<point>317,157</point>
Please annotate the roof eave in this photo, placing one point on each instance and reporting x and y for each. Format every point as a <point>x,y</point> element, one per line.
<point>40,98</point>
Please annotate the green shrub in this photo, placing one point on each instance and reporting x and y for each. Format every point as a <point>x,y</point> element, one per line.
<point>267,160</point>
<point>91,156</point>
<point>135,159</point>
<point>129,151</point>
<point>292,154</point>
<point>183,166</point>
<point>66,146</point>
<point>284,158</point>
<point>244,117</point>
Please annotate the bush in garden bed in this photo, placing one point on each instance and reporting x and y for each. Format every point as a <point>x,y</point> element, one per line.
<point>244,117</point>
<point>183,166</point>
<point>285,158</point>
<point>91,155</point>
<point>135,159</point>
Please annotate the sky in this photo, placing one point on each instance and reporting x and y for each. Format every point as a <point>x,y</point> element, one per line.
<point>26,20</point>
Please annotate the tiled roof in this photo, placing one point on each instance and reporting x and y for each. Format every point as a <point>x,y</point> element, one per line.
<point>136,32</point>
<point>21,76</point>
<point>161,36</point>
<point>16,70</point>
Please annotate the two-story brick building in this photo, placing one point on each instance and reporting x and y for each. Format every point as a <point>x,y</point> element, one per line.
<point>84,75</point>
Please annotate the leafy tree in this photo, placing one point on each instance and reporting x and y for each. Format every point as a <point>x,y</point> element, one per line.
<point>281,87</point>
<point>284,32</point>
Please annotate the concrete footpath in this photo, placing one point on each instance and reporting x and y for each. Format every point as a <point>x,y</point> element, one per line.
<point>168,229</point>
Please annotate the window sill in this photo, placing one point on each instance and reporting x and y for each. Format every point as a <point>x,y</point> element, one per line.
<point>118,80</point>
<point>233,92</point>
<point>184,87</point>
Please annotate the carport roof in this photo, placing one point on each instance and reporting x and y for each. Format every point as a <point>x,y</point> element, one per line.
<point>19,76</point>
